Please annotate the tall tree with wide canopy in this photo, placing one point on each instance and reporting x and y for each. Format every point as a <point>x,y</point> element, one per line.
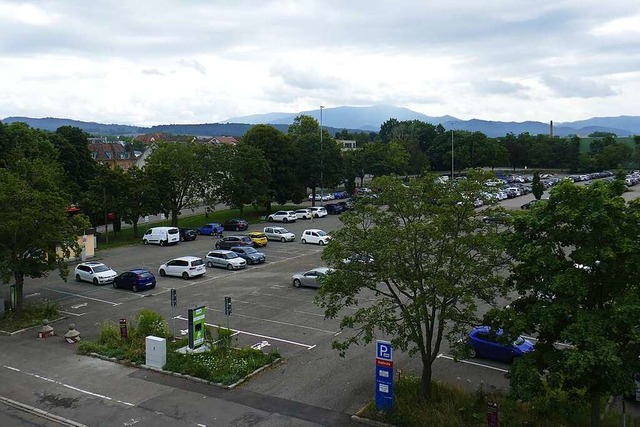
<point>179,175</point>
<point>36,234</point>
<point>75,157</point>
<point>578,268</point>
<point>278,150</point>
<point>317,164</point>
<point>431,261</point>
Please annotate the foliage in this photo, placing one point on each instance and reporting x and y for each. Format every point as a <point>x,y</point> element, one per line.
<point>433,259</point>
<point>279,153</point>
<point>33,314</point>
<point>577,263</point>
<point>454,407</point>
<point>180,175</point>
<point>220,365</point>
<point>537,188</point>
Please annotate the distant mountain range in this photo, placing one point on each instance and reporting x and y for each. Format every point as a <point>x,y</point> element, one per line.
<point>367,119</point>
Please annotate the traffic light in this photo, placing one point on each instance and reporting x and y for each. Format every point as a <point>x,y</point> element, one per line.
<point>174,298</point>
<point>227,306</point>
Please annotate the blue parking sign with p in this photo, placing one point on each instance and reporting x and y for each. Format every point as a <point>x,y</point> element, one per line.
<point>384,350</point>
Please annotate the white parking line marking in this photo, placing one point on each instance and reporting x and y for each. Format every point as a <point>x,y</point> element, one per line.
<point>278,308</point>
<point>308,347</point>
<point>40,377</point>
<point>473,363</point>
<point>35,294</point>
<point>86,297</point>
<point>84,304</point>
<point>277,322</point>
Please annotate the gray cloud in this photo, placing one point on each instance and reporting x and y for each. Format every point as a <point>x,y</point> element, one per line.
<point>152,72</point>
<point>578,88</point>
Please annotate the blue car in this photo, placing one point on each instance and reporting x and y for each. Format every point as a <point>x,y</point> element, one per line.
<point>211,229</point>
<point>484,343</point>
<point>137,279</point>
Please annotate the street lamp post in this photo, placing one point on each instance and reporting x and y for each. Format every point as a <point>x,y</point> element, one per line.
<point>321,161</point>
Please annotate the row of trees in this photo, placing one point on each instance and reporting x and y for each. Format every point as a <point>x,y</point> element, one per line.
<point>573,258</point>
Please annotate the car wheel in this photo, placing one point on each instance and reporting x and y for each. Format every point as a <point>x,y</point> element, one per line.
<point>153,286</point>
<point>181,239</point>
<point>237,228</point>
<point>217,246</point>
<point>161,242</point>
<point>115,285</point>
<point>473,352</point>
<point>285,220</point>
<point>229,267</point>
<point>95,282</point>
<point>145,241</point>
<point>78,279</point>
<point>270,219</point>
<point>296,283</point>
<point>209,264</point>
<point>185,275</point>
<point>321,242</point>
<point>283,240</point>
<point>163,273</point>
<point>134,288</point>
<point>304,241</point>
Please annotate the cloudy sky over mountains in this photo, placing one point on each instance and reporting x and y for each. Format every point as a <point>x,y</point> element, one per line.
<point>151,62</point>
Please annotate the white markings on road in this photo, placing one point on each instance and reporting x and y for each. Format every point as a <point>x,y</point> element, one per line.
<point>278,308</point>
<point>40,377</point>
<point>308,347</point>
<point>133,421</point>
<point>35,294</point>
<point>84,304</point>
<point>473,363</point>
<point>84,296</point>
<point>260,345</point>
<point>72,314</point>
<point>277,322</point>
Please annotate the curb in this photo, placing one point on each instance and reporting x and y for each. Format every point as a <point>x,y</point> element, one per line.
<point>188,377</point>
<point>30,327</point>
<point>41,413</point>
<point>367,421</point>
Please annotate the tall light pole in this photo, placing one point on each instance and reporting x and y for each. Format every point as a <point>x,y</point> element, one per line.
<point>321,161</point>
<point>451,155</point>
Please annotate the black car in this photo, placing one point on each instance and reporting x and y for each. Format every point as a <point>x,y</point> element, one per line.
<point>231,241</point>
<point>345,204</point>
<point>236,224</point>
<point>333,208</point>
<point>187,234</point>
<point>249,254</point>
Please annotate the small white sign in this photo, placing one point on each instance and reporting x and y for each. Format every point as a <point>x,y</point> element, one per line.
<point>383,373</point>
<point>384,388</point>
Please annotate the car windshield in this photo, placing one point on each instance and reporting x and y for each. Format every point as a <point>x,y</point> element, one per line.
<point>282,231</point>
<point>249,250</point>
<point>231,255</point>
<point>100,268</point>
<point>144,275</point>
<point>258,236</point>
<point>197,262</point>
<point>321,233</point>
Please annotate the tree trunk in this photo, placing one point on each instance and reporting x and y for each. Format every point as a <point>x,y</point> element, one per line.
<point>134,223</point>
<point>19,297</point>
<point>425,383</point>
<point>595,410</point>
<point>174,217</point>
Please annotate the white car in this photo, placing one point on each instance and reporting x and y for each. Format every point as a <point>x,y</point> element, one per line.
<point>303,213</point>
<point>185,267</point>
<point>279,233</point>
<point>94,272</point>
<point>321,197</point>
<point>225,259</point>
<point>314,235</point>
<point>283,216</point>
<point>318,211</point>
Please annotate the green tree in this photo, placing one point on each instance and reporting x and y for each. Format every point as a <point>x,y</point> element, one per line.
<point>432,261</point>
<point>537,188</point>
<point>35,234</point>
<point>75,157</point>
<point>136,196</point>
<point>577,264</point>
<point>246,176</point>
<point>319,161</point>
<point>279,153</point>
<point>179,177</point>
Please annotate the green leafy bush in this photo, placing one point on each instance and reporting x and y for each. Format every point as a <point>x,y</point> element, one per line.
<point>33,314</point>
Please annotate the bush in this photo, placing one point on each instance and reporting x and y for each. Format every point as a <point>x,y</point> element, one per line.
<point>32,314</point>
<point>151,323</point>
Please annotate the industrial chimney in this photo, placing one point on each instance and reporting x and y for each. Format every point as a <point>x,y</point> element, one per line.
<point>551,129</point>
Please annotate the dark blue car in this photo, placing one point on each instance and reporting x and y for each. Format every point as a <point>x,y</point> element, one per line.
<point>484,343</point>
<point>211,229</point>
<point>333,208</point>
<point>137,279</point>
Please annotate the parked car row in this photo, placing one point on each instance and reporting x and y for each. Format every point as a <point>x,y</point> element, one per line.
<point>136,279</point>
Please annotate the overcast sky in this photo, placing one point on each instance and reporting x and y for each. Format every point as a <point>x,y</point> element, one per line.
<point>151,62</point>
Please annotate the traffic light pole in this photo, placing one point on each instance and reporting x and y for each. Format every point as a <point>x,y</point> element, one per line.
<point>174,302</point>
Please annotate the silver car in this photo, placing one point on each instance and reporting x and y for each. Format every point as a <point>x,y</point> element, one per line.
<point>225,259</point>
<point>311,278</point>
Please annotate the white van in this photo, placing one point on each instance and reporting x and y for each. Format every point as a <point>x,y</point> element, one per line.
<point>161,236</point>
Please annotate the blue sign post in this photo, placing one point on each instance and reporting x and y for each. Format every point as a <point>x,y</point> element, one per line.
<point>384,375</point>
